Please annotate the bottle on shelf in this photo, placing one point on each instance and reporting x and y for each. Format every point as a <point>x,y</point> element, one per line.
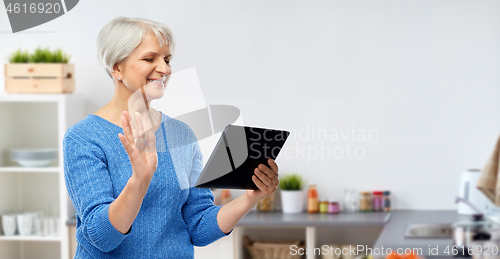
<point>387,201</point>
<point>351,201</point>
<point>333,207</point>
<point>312,199</point>
<point>323,206</point>
<point>266,204</point>
<point>365,202</point>
<point>225,196</point>
<point>378,199</point>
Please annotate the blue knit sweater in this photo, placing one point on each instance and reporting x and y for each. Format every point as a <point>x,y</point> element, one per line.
<point>173,216</point>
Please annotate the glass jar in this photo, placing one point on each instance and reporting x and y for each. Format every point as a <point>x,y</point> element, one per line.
<point>266,204</point>
<point>333,207</point>
<point>323,206</point>
<point>351,200</point>
<point>387,201</point>
<point>378,200</point>
<point>365,202</point>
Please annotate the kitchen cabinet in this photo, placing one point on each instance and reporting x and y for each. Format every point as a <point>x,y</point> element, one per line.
<point>36,121</point>
<point>315,229</point>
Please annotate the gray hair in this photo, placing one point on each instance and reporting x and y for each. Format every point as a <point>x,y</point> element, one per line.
<point>122,35</point>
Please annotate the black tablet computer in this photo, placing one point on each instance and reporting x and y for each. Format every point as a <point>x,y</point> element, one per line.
<point>238,152</point>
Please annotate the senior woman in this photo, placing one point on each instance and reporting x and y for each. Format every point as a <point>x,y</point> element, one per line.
<point>128,199</point>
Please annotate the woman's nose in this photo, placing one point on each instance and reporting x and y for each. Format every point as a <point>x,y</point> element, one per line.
<point>163,68</point>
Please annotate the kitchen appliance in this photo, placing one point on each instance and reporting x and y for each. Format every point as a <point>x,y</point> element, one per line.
<point>470,193</point>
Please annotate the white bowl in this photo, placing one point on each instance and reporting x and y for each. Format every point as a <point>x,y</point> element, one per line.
<point>34,163</point>
<point>33,157</point>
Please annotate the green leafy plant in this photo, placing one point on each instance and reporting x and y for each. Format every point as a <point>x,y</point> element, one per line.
<point>60,56</point>
<point>291,182</point>
<point>40,56</point>
<point>19,57</point>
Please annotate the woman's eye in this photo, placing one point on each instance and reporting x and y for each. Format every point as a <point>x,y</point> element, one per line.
<point>151,60</point>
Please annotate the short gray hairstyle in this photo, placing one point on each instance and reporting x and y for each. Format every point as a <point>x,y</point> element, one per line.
<point>122,35</point>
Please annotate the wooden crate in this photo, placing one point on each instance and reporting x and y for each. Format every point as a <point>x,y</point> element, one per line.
<point>39,78</point>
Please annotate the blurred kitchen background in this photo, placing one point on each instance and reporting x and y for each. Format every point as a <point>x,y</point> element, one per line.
<point>379,95</point>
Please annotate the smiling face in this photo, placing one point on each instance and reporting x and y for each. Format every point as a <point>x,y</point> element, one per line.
<point>147,66</point>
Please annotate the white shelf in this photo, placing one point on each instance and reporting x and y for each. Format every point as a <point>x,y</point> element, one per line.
<point>37,97</point>
<point>30,238</point>
<point>36,121</point>
<point>19,169</point>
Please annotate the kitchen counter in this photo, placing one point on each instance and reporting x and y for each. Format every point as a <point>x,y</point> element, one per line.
<point>395,222</point>
<point>279,219</point>
<point>394,225</point>
<point>393,232</point>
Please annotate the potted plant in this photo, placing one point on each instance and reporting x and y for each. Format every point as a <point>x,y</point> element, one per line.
<point>43,71</point>
<point>292,197</point>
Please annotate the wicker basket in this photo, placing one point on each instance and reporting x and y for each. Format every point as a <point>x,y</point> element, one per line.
<point>272,249</point>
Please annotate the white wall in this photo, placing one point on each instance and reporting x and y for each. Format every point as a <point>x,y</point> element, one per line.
<point>423,74</point>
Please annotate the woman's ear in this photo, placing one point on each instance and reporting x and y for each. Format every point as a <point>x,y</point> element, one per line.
<point>117,72</point>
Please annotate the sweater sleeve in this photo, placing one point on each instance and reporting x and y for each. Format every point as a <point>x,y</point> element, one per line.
<point>199,211</point>
<point>90,189</point>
